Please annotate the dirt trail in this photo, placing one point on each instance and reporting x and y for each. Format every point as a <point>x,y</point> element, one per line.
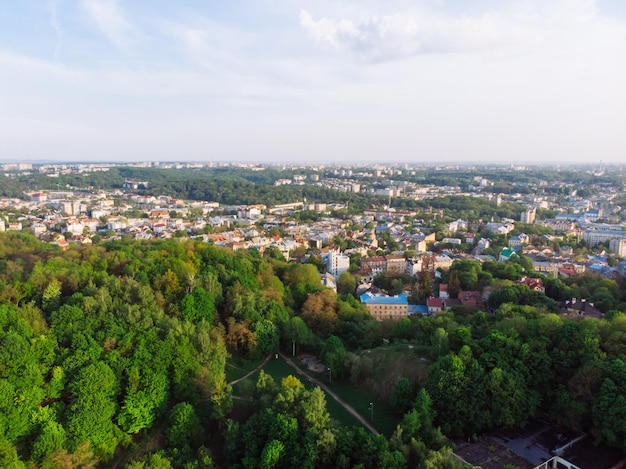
<point>263,363</point>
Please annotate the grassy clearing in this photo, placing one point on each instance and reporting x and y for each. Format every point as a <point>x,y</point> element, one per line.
<point>386,364</point>
<point>385,420</point>
<point>279,369</point>
<point>236,367</point>
<point>390,363</point>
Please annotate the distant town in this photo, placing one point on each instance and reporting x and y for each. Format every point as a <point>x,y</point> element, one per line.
<point>563,228</point>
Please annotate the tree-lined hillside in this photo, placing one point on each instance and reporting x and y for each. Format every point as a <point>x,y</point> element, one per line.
<point>117,352</point>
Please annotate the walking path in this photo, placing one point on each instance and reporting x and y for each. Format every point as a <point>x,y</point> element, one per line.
<point>341,402</point>
<point>263,363</point>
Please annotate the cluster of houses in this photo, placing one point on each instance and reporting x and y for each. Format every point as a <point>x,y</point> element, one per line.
<point>62,217</point>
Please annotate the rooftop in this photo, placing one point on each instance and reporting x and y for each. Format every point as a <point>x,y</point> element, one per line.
<point>379,298</point>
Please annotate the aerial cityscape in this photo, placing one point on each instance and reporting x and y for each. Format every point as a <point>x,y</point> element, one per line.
<point>330,234</point>
<point>178,314</point>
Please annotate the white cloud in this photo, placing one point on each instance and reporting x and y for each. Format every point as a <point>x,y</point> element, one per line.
<point>531,80</point>
<point>54,24</point>
<point>111,20</point>
<point>401,35</point>
<point>329,31</point>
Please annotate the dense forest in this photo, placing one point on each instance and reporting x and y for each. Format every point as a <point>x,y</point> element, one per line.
<point>226,186</point>
<point>237,186</point>
<point>103,344</point>
<point>115,355</point>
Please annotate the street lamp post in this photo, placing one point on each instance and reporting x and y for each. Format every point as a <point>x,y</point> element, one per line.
<point>330,376</point>
<point>371,409</point>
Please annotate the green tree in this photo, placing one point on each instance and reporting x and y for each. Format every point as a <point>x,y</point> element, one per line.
<point>609,406</point>
<point>51,296</point>
<point>319,312</point>
<point>454,284</point>
<point>401,396</point>
<point>346,283</point>
<point>92,408</point>
<point>333,355</point>
<point>51,438</point>
<point>271,454</point>
<point>439,343</point>
<point>298,332</point>
<point>200,304</point>
<point>184,428</point>
<point>425,286</point>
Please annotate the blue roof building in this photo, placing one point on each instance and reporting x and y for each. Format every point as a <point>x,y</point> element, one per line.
<point>386,307</point>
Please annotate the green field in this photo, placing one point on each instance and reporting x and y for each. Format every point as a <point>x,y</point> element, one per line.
<point>279,369</point>
<point>236,367</point>
<point>385,421</point>
<point>388,364</point>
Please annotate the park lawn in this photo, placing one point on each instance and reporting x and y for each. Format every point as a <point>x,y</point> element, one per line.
<point>279,369</point>
<point>390,363</point>
<point>385,420</point>
<point>236,367</point>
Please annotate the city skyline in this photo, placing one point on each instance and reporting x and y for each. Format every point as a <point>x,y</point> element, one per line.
<point>278,81</point>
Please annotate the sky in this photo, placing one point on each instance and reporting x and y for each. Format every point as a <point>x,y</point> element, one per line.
<point>318,81</point>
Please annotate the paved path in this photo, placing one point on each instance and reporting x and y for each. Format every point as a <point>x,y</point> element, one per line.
<point>343,403</point>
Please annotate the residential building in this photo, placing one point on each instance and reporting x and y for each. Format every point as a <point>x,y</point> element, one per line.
<point>386,307</point>
<point>506,254</point>
<point>548,268</point>
<point>395,264</point>
<point>500,228</point>
<point>336,263</point>
<point>435,305</point>
<point>135,185</point>
<point>75,227</point>
<point>376,263</point>
<point>569,270</point>
<point>38,197</point>
<point>528,216</point>
<point>431,263</point>
<point>251,211</point>
<point>329,281</point>
<point>413,266</point>
<point>470,298</point>
<point>390,214</point>
<point>535,284</point>
<point>516,242</point>
<point>595,237</point>
<point>579,308</point>
<point>618,246</point>
<point>483,243</point>
<point>560,225</point>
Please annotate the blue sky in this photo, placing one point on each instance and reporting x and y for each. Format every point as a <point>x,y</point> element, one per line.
<point>313,81</point>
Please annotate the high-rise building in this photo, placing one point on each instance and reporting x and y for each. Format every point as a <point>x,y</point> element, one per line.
<point>528,216</point>
<point>337,263</point>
